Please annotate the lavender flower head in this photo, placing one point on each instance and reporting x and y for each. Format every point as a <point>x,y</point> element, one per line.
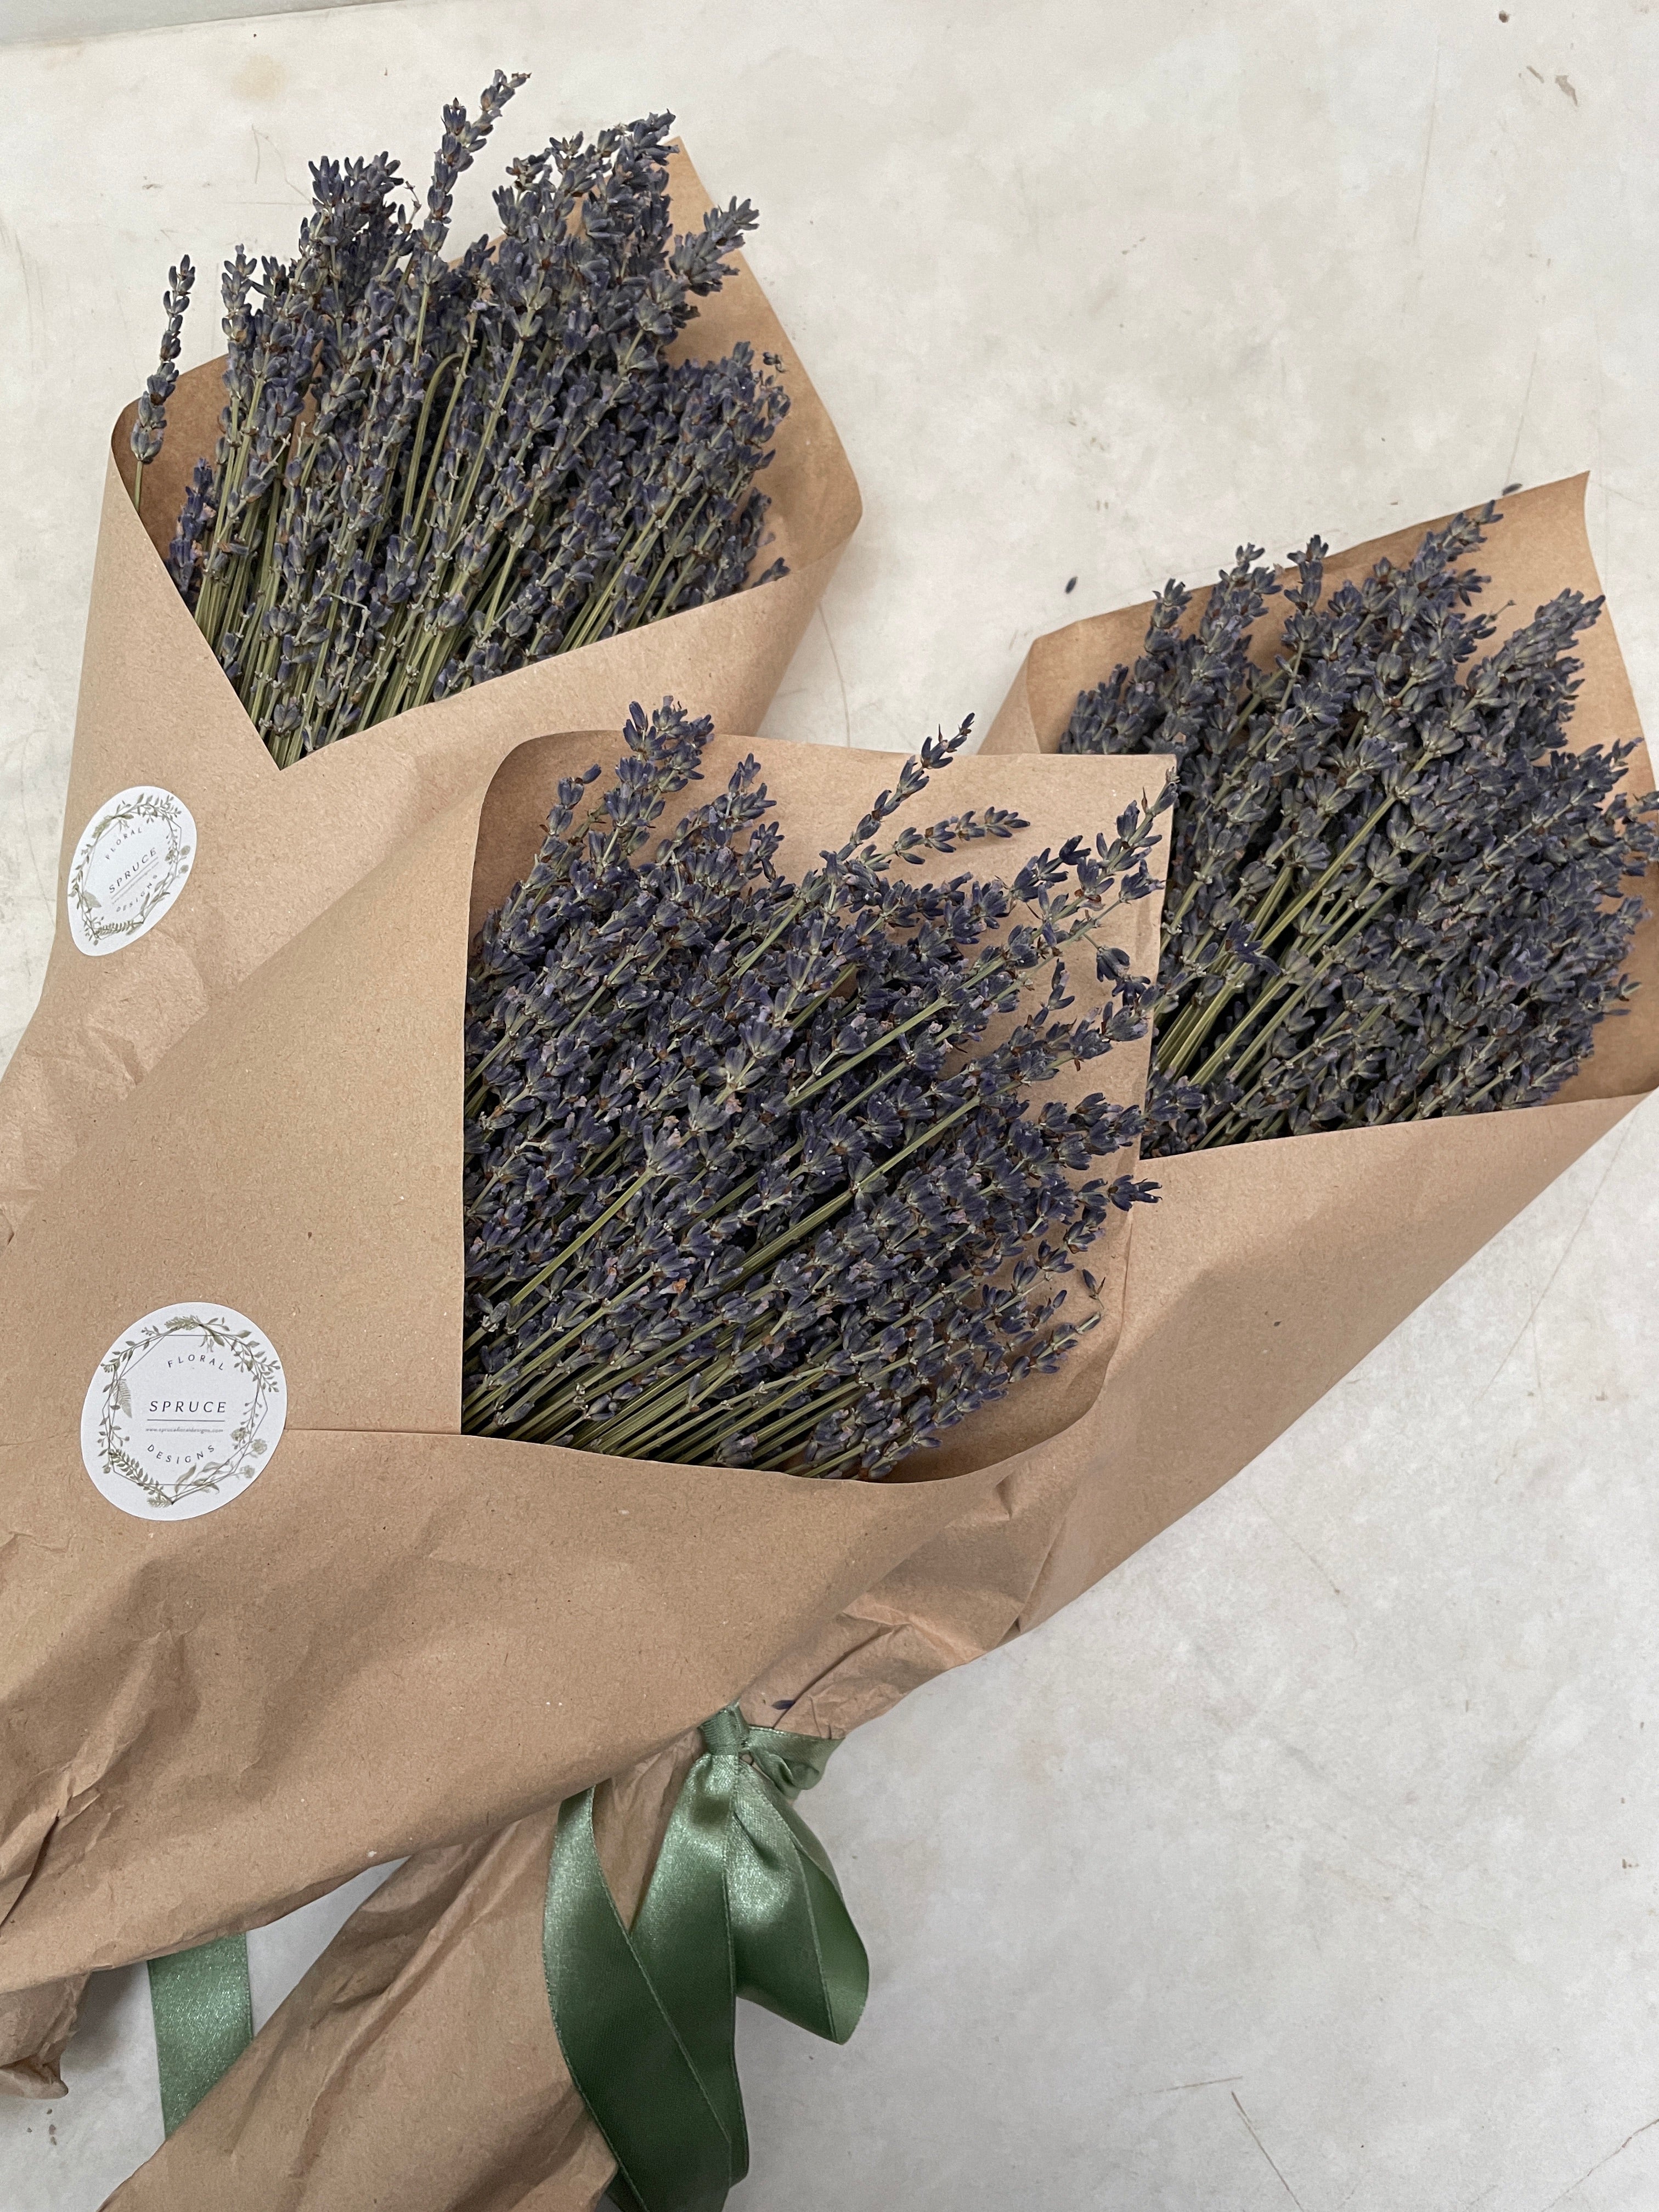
<point>151,424</point>
<point>747,1181</point>
<point>432,470</point>
<point>1396,890</point>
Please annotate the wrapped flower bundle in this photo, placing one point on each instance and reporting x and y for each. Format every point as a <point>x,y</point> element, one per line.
<point>750,1141</point>
<point>1364,1194</point>
<point>186,862</point>
<point>183,1768</point>
<point>538,464</point>
<point>829,1224</point>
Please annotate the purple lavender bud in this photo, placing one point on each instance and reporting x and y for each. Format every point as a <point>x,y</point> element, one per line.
<point>151,425</point>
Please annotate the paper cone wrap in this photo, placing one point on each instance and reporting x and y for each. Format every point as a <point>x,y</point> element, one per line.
<point>1272,1268</point>
<point>399,1636</point>
<point>275,846</point>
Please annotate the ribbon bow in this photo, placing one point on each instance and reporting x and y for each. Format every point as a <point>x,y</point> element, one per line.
<point>743,1902</point>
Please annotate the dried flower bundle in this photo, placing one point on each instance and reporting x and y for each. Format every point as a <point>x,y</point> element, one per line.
<point>746,1182</point>
<point>429,473</point>
<point>1394,890</point>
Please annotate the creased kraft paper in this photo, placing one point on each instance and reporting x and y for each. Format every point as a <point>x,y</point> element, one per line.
<point>351,2096</point>
<point>1267,1273</point>
<point>399,1636</point>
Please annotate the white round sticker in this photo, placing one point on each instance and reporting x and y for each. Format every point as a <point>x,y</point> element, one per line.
<point>130,863</point>
<point>185,1409</point>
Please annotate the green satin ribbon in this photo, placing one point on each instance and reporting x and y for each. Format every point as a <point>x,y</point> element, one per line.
<point>743,1902</point>
<point>204,2011</point>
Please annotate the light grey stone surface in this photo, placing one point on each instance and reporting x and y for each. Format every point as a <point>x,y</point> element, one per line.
<point>1310,1860</point>
<point>43,21</point>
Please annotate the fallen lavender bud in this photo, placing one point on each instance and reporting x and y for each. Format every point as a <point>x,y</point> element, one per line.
<point>1393,889</point>
<point>745,1183</point>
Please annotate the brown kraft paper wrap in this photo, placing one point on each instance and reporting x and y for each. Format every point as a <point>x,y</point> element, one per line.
<point>399,1636</point>
<point>35,2027</point>
<point>1269,1269</point>
<point>1273,1268</point>
<point>275,847</point>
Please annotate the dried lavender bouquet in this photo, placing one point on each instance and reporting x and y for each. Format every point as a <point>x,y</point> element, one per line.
<point>1395,891</point>
<point>427,473</point>
<point>748,1182</point>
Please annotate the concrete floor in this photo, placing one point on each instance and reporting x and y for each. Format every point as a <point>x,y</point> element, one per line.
<point>1310,1860</point>
<point>41,22</point>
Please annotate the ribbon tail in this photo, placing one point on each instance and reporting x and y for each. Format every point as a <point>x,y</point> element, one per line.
<point>683,1936</point>
<point>797,1952</point>
<point>203,2009</point>
<point>626,2057</point>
